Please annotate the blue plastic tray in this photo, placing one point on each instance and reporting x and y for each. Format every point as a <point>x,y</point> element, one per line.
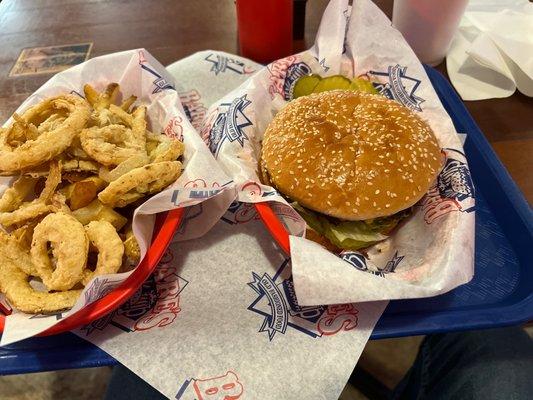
<point>501,292</point>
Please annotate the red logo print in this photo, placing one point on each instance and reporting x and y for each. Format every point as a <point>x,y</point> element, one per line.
<point>278,72</point>
<point>225,387</point>
<point>174,128</point>
<point>338,317</point>
<point>193,107</point>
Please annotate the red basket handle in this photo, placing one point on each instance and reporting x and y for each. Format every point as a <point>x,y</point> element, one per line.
<point>274,226</point>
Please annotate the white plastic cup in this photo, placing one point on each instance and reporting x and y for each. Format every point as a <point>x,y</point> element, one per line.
<point>428,25</point>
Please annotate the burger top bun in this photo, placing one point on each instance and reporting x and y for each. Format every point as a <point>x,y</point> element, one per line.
<point>350,155</point>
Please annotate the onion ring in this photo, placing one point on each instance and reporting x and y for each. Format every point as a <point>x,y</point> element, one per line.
<point>53,180</point>
<point>124,167</point>
<point>104,237</point>
<point>69,246</point>
<point>110,145</point>
<point>26,212</point>
<point>168,149</point>
<point>49,144</point>
<point>39,206</point>
<point>136,120</point>
<point>14,196</point>
<point>14,284</point>
<point>139,182</point>
<point>12,247</point>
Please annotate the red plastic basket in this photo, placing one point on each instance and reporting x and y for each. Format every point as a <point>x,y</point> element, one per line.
<point>164,229</point>
<point>274,226</point>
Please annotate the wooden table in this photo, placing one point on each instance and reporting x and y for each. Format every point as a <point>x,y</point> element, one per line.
<point>173,29</point>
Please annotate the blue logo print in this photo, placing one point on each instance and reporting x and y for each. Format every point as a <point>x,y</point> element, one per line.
<point>400,87</point>
<point>358,261</point>
<point>230,124</point>
<point>294,72</point>
<point>455,182</point>
<point>276,302</point>
<point>223,64</point>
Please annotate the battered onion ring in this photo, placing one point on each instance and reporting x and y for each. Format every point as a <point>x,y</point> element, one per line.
<point>14,284</point>
<point>139,182</point>
<point>104,237</point>
<point>110,145</point>
<point>12,247</point>
<point>49,144</point>
<point>168,149</point>
<point>54,121</point>
<point>136,120</point>
<point>69,245</point>
<point>26,212</point>
<point>14,196</point>
<point>39,206</point>
<point>123,168</point>
<point>53,180</point>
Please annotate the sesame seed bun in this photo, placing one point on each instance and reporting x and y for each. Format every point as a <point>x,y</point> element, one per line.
<point>350,155</point>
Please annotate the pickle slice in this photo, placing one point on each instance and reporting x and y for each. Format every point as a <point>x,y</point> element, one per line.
<point>332,83</point>
<point>305,85</point>
<point>362,85</point>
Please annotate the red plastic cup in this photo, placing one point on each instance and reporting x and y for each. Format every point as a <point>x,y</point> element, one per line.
<point>265,29</point>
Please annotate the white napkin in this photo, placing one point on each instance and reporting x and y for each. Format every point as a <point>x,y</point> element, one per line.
<point>492,53</point>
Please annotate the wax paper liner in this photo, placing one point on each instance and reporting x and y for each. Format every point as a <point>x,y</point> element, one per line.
<point>432,252</point>
<point>202,187</point>
<point>219,317</point>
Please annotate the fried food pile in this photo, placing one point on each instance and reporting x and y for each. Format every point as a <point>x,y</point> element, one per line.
<point>81,166</point>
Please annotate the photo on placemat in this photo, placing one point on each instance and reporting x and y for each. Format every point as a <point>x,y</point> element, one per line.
<point>51,59</point>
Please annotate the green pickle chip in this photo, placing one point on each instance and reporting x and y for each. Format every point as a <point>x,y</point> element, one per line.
<point>332,83</point>
<point>305,85</point>
<point>362,85</point>
<point>315,84</point>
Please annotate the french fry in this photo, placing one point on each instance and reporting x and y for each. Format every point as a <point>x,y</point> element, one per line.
<point>96,211</point>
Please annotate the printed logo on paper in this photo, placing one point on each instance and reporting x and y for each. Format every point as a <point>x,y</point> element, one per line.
<point>222,64</point>
<point>197,189</point>
<point>174,128</point>
<point>154,305</point>
<point>400,86</point>
<point>223,387</point>
<point>99,288</point>
<point>159,82</point>
<point>241,213</point>
<point>230,124</point>
<point>193,107</point>
<point>358,261</point>
<point>253,189</point>
<point>276,302</point>
<point>283,75</point>
<point>453,191</point>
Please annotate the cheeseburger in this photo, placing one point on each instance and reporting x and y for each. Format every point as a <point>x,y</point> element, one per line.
<point>351,163</point>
